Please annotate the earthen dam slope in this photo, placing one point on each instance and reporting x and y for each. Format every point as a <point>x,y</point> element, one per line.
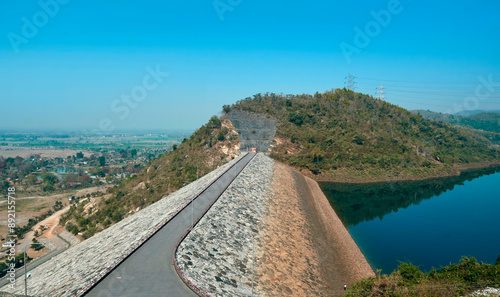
<point>272,233</point>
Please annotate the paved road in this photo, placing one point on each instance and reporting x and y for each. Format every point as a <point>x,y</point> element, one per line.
<point>149,271</point>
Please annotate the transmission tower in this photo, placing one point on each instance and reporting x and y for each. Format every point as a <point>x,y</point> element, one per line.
<point>350,82</point>
<point>380,92</point>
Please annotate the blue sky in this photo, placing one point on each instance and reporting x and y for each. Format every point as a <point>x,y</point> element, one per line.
<point>69,64</point>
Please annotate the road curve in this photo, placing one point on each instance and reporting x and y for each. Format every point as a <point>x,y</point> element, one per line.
<point>149,271</point>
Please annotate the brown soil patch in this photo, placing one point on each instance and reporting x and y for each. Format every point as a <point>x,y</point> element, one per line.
<point>306,250</point>
<point>29,207</point>
<point>287,264</point>
<point>342,260</point>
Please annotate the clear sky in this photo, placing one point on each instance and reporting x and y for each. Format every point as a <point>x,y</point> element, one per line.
<point>116,65</point>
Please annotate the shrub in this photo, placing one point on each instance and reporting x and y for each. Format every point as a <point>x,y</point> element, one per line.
<point>410,273</point>
<point>361,288</point>
<point>72,228</point>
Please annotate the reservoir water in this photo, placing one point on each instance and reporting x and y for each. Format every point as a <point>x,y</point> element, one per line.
<point>429,223</point>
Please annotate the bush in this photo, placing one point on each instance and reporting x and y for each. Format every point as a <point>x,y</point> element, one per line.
<point>410,273</point>
<point>361,288</point>
<point>72,228</point>
<point>297,119</point>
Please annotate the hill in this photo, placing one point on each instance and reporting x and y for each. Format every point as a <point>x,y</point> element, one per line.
<point>341,135</point>
<point>487,121</point>
<point>338,135</point>
<point>207,148</point>
<point>471,112</point>
<point>485,124</point>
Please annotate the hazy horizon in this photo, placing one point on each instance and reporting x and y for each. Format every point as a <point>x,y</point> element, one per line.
<point>114,66</point>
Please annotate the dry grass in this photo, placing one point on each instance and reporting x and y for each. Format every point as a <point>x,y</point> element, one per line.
<point>29,207</point>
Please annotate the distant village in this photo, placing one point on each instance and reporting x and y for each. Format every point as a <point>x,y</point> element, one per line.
<point>52,174</point>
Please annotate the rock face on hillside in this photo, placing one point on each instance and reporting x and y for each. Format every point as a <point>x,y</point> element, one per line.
<point>255,130</point>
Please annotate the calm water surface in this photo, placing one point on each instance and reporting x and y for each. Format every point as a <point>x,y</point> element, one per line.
<point>429,223</point>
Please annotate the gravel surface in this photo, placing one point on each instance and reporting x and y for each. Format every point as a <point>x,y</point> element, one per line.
<point>301,247</point>
<point>89,260</point>
<point>289,265</point>
<point>217,254</point>
<point>73,240</point>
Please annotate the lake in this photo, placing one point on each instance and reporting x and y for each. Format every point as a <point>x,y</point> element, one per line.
<point>429,223</point>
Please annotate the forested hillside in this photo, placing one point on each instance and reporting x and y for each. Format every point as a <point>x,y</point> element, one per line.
<point>209,147</point>
<point>338,135</point>
<point>354,136</point>
<point>486,124</point>
<point>487,121</point>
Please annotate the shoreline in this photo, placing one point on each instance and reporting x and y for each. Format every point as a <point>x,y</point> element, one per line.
<point>342,259</point>
<point>304,237</point>
<point>347,176</point>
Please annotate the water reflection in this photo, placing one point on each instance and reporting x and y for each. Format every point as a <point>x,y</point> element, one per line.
<point>355,203</point>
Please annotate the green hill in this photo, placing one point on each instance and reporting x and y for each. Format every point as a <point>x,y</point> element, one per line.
<point>206,149</point>
<point>338,135</point>
<point>342,135</point>
<point>485,124</point>
<point>487,121</point>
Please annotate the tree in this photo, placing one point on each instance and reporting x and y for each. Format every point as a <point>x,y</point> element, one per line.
<point>99,172</point>
<point>36,245</point>
<point>220,136</point>
<point>101,160</point>
<point>410,272</point>
<point>214,122</point>
<point>4,185</point>
<point>226,108</point>
<point>79,155</point>
<point>19,260</point>
<point>31,179</point>
<point>49,178</point>
<point>47,187</point>
<point>108,179</point>
<point>72,228</point>
<point>297,119</point>
<point>133,152</point>
<point>3,269</point>
<point>57,206</point>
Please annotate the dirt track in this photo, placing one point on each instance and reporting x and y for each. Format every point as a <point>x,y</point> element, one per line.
<point>308,251</point>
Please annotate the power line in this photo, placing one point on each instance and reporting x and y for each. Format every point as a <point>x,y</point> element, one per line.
<point>350,82</point>
<point>380,92</point>
<point>415,82</point>
<point>432,89</point>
